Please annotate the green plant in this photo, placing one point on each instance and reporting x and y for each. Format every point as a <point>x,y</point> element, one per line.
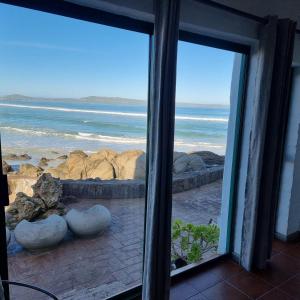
<point>190,242</point>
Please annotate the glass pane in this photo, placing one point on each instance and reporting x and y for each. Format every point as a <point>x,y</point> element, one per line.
<point>73,125</point>
<point>202,113</point>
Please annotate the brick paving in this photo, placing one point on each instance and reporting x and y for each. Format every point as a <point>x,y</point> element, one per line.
<point>97,267</point>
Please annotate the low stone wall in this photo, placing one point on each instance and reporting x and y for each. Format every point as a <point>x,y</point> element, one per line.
<point>135,188</point>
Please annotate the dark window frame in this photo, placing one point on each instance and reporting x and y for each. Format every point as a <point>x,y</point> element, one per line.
<point>75,11</point>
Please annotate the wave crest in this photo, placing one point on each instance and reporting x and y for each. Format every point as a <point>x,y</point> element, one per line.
<point>112,113</point>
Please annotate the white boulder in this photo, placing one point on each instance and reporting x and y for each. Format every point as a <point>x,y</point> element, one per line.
<point>89,222</point>
<point>41,234</point>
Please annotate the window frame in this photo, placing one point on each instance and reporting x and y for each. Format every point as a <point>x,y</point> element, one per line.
<point>75,11</point>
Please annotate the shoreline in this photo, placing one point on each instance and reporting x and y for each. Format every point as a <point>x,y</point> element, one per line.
<point>37,154</point>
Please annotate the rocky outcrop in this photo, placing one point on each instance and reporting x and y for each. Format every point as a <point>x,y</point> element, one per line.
<point>105,164</point>
<point>130,165</point>
<point>108,164</point>
<point>30,170</point>
<point>73,168</point>
<point>48,189</point>
<point>6,168</point>
<point>184,162</point>
<point>47,193</point>
<point>41,234</point>
<point>211,158</point>
<point>12,156</point>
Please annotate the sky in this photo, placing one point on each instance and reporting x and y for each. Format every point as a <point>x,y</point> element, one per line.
<point>44,55</point>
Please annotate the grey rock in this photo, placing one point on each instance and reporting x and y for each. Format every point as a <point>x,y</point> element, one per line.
<point>211,158</point>
<point>88,222</point>
<point>41,234</point>
<point>187,163</point>
<point>48,189</point>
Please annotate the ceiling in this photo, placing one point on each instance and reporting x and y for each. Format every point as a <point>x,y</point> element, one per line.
<point>282,8</point>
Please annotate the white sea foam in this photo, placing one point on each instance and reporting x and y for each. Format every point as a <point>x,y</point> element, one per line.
<point>106,139</point>
<point>103,112</point>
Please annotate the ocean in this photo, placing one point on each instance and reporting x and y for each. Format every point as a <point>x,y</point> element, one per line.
<point>48,127</point>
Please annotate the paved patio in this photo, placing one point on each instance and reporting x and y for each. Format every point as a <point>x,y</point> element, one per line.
<point>96,268</point>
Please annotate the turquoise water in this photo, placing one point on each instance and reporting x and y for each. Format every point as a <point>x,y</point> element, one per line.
<point>42,126</point>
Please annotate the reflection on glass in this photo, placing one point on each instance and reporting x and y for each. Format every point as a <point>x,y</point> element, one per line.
<point>202,112</point>
<point>73,125</point>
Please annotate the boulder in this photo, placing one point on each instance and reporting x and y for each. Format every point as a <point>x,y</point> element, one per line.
<point>18,184</point>
<point>48,189</point>
<point>88,222</point>
<point>105,154</point>
<point>6,168</point>
<point>30,170</point>
<point>24,208</point>
<point>211,158</point>
<point>130,165</point>
<point>73,168</point>
<point>101,169</point>
<point>41,234</point>
<point>44,162</point>
<point>187,163</point>
<point>99,165</point>
<point>47,193</point>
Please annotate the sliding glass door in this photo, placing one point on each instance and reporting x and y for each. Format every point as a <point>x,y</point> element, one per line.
<point>73,120</point>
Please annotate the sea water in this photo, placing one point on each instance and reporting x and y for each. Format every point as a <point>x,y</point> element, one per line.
<point>45,127</point>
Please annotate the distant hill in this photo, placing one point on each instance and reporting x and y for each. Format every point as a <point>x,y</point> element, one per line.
<point>97,99</point>
<point>107,100</point>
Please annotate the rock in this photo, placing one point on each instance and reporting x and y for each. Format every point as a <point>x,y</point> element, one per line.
<point>211,158</point>
<point>41,234</point>
<point>44,162</point>
<point>187,163</point>
<point>8,237</point>
<point>89,222</point>
<point>24,208</point>
<point>6,168</point>
<point>130,165</point>
<point>48,189</point>
<point>30,170</point>
<point>73,168</point>
<point>16,157</point>
<point>101,169</point>
<point>18,184</point>
<point>47,193</point>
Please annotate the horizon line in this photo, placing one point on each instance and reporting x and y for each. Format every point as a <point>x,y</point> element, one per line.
<point>106,97</point>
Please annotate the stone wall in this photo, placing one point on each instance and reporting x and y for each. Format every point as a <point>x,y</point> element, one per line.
<point>125,189</point>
